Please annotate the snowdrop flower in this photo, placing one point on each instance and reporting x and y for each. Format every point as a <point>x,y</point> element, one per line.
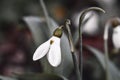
<point>116,37</point>
<point>51,48</point>
<point>90,27</point>
<point>115,23</point>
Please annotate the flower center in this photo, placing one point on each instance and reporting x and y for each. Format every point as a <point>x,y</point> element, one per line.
<point>51,42</point>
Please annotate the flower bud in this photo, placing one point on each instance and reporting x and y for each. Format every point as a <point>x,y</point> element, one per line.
<point>58,32</point>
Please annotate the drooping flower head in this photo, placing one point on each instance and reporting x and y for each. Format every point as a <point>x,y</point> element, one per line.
<point>116,32</point>
<point>51,48</point>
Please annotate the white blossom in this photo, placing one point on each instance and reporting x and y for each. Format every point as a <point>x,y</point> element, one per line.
<point>51,48</point>
<point>116,37</point>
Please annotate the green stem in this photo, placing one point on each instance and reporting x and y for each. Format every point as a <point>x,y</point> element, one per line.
<point>45,12</point>
<point>74,57</point>
<point>76,65</point>
<point>83,13</point>
<point>106,50</point>
<point>67,23</point>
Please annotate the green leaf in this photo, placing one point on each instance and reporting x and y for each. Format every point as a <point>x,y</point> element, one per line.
<point>114,72</point>
<point>41,33</point>
<point>7,78</point>
<point>42,76</point>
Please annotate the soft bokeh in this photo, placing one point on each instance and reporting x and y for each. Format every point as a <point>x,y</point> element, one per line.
<point>18,42</point>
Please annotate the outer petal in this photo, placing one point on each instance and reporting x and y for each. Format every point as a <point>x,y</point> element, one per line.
<point>116,37</point>
<point>54,55</point>
<point>41,51</point>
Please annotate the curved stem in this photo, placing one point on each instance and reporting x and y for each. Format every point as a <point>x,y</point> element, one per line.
<point>67,24</point>
<point>74,57</point>
<point>83,13</point>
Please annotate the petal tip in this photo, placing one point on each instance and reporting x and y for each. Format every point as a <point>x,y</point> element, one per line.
<point>34,59</point>
<point>55,65</point>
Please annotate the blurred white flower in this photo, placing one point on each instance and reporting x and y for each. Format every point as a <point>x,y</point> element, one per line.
<point>116,37</point>
<point>51,48</point>
<point>107,1</point>
<point>91,26</point>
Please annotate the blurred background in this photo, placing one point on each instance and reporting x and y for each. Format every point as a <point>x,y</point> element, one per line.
<point>17,44</point>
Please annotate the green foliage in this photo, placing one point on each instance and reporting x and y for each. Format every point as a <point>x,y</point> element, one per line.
<point>7,78</point>
<point>114,72</point>
<point>40,77</point>
<point>41,32</point>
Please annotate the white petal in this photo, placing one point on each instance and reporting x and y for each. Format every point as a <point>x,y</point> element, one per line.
<point>54,55</point>
<point>116,37</point>
<point>91,26</point>
<point>41,51</point>
<point>56,40</point>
